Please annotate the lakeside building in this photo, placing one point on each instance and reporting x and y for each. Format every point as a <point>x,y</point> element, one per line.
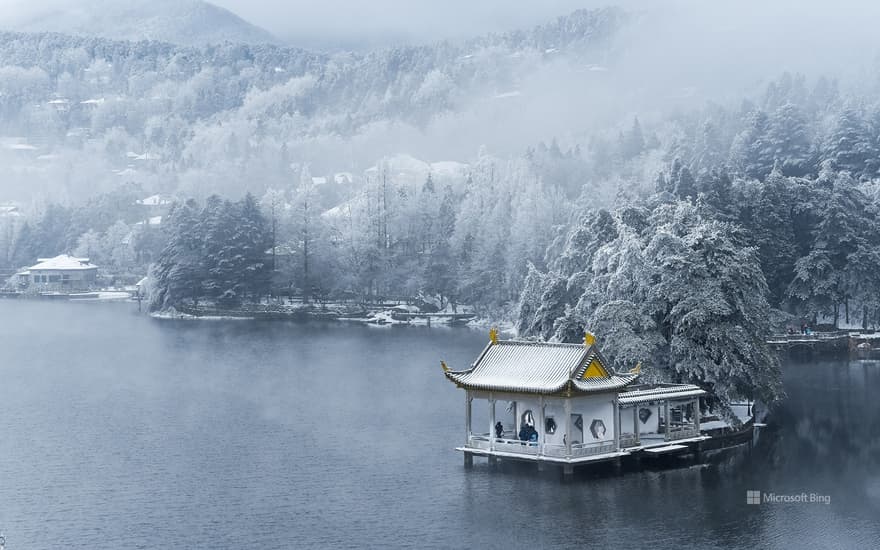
<point>562,404</point>
<point>61,273</point>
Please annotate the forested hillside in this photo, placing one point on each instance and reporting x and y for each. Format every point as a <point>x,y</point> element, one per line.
<point>770,205</point>
<point>231,118</point>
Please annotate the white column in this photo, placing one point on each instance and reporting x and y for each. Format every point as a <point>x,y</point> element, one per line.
<point>467,416</point>
<point>515,420</point>
<point>697,415</point>
<point>540,427</point>
<point>636,423</point>
<point>616,406</point>
<point>568,426</point>
<point>491,421</point>
<point>666,419</point>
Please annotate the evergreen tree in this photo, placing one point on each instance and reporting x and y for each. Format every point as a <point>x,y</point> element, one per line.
<point>179,271</point>
<point>772,233</point>
<point>789,140</point>
<point>751,153</point>
<point>253,241</point>
<point>685,184</point>
<point>632,143</point>
<point>850,147</point>
<point>821,281</point>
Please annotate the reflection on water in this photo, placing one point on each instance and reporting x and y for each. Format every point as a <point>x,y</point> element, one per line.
<point>120,431</point>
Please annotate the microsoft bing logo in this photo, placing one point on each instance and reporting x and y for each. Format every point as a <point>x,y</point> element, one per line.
<point>753,497</point>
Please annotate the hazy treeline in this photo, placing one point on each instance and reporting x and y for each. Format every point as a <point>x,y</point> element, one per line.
<point>772,205</point>
<point>112,229</point>
<point>232,118</point>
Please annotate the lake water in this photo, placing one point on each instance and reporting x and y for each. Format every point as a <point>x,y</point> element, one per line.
<point>121,431</point>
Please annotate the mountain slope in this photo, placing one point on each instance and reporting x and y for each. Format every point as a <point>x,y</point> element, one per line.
<point>190,22</point>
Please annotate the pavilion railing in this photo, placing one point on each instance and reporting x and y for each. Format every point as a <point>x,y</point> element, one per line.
<point>684,432</point>
<point>628,440</point>
<point>515,446</point>
<point>484,442</point>
<point>479,442</point>
<point>590,449</point>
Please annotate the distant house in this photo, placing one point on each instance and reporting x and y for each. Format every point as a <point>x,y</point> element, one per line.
<point>343,178</point>
<point>152,221</point>
<point>9,211</point>
<point>155,200</point>
<point>59,273</point>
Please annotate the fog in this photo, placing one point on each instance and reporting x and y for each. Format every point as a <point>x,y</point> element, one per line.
<point>669,57</point>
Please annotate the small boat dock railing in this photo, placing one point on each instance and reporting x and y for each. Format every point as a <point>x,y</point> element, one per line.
<point>532,448</point>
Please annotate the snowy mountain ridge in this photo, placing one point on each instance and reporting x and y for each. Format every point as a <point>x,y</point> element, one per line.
<point>188,22</point>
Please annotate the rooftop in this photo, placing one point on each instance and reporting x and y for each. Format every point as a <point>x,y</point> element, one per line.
<point>155,200</point>
<point>658,392</point>
<point>540,367</point>
<point>62,263</point>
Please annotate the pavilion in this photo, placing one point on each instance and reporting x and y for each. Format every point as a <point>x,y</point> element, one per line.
<point>563,404</point>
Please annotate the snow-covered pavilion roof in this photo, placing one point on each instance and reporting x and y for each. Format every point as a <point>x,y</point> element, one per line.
<point>62,263</point>
<point>659,392</point>
<point>540,367</point>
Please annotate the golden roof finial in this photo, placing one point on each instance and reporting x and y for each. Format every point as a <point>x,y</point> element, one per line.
<point>493,335</point>
<point>589,339</point>
<point>637,369</point>
<point>445,367</point>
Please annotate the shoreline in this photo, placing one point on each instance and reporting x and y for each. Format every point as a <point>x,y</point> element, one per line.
<point>376,316</point>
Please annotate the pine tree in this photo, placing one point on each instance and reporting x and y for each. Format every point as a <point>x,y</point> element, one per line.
<point>632,143</point>
<point>751,153</point>
<point>850,147</point>
<point>254,239</point>
<point>179,271</point>
<point>772,232</point>
<point>789,140</point>
<point>821,281</point>
<point>685,184</point>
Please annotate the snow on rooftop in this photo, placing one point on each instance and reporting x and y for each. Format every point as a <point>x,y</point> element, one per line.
<point>449,168</point>
<point>63,262</point>
<point>514,93</point>
<point>155,220</point>
<point>337,211</point>
<point>96,101</point>
<point>154,200</point>
<point>21,147</point>
<point>343,177</point>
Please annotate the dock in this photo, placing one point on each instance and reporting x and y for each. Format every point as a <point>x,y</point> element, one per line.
<point>833,342</point>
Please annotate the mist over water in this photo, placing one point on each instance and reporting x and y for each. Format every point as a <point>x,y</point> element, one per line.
<point>119,431</point>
